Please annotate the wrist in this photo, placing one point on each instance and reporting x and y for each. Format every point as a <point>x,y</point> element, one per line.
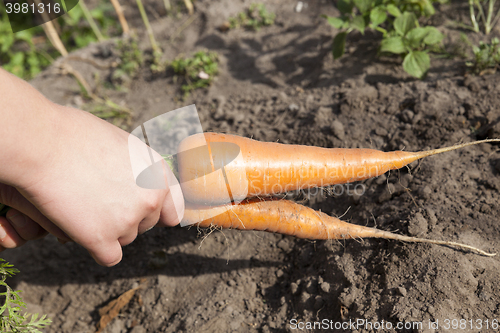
<point>29,122</point>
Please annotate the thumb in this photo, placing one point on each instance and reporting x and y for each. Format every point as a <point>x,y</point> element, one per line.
<point>107,255</point>
<point>172,210</point>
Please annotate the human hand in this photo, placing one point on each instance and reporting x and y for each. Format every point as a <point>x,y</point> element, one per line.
<point>86,192</point>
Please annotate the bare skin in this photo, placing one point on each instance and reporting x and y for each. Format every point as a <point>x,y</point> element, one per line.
<point>68,173</point>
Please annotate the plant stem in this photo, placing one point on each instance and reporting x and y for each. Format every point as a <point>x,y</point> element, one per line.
<point>91,21</point>
<point>156,49</point>
<point>121,17</point>
<point>51,33</point>
<point>168,6</point>
<point>475,26</point>
<point>491,8</point>
<point>481,11</point>
<point>189,6</point>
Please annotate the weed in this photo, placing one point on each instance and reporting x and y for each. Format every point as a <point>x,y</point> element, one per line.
<point>486,57</point>
<point>397,21</point>
<point>197,71</point>
<point>254,18</point>
<point>130,61</point>
<point>18,53</point>
<point>484,16</point>
<point>11,318</point>
<point>77,32</point>
<point>156,65</point>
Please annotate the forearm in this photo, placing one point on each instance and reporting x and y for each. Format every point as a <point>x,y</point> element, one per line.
<point>29,125</point>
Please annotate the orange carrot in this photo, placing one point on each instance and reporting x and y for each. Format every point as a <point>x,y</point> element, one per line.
<point>232,168</point>
<point>289,218</point>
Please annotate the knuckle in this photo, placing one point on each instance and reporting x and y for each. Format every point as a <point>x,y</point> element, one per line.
<point>152,202</point>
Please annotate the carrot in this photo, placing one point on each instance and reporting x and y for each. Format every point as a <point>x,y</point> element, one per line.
<point>220,168</point>
<point>289,218</point>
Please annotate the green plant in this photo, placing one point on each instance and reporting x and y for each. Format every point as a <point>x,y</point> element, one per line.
<point>397,21</point>
<point>11,318</point>
<point>18,53</point>
<point>197,71</point>
<point>486,57</point>
<point>254,18</point>
<point>130,60</point>
<point>156,65</point>
<point>79,26</point>
<point>485,16</point>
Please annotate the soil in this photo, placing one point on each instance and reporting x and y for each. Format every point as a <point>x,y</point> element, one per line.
<point>281,84</point>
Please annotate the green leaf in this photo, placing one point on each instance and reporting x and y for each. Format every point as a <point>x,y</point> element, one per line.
<point>335,22</point>
<point>433,36</point>
<point>393,45</point>
<point>417,63</point>
<point>378,15</point>
<point>404,23</point>
<point>17,59</point>
<point>359,23</point>
<point>393,10</point>
<point>345,6</point>
<point>25,36</point>
<point>415,37</point>
<point>8,40</point>
<point>338,46</point>
<point>427,7</point>
<point>363,5</point>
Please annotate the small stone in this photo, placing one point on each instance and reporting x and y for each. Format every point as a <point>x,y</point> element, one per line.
<point>312,287</point>
<point>299,7</point>
<point>293,107</point>
<point>338,129</point>
<point>279,273</point>
<point>407,115</point>
<point>304,297</point>
<point>294,287</point>
<point>402,291</point>
<point>325,286</point>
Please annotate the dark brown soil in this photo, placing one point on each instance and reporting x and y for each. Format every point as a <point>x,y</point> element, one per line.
<point>281,84</point>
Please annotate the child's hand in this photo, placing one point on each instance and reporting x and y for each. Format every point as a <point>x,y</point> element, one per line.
<point>85,191</point>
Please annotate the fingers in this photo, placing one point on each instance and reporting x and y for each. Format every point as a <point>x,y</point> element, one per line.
<point>172,210</point>
<point>107,254</point>
<point>10,196</point>
<point>25,227</point>
<point>9,238</point>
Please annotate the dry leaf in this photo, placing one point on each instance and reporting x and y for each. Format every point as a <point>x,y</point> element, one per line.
<point>112,309</point>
